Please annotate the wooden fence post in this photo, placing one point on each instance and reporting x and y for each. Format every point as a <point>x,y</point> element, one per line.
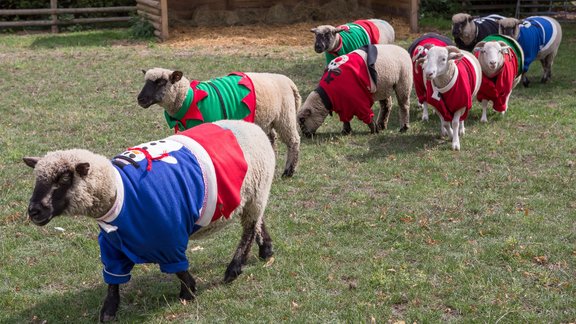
<point>54,16</point>
<point>164,19</point>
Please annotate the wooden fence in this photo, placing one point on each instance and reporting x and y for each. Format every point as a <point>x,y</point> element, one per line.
<point>155,11</point>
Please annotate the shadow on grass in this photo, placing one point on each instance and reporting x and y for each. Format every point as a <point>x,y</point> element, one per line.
<point>84,39</point>
<point>145,295</point>
<point>384,145</point>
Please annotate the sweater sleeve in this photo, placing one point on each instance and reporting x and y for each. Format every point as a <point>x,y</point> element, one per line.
<point>117,265</point>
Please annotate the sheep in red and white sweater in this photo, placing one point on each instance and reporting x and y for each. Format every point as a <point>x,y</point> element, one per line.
<point>453,78</point>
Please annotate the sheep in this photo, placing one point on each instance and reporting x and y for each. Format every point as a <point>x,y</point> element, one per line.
<point>468,30</point>
<point>336,41</point>
<point>453,79</point>
<point>272,104</point>
<point>539,37</point>
<point>501,59</point>
<point>417,50</point>
<point>151,199</point>
<point>352,82</point>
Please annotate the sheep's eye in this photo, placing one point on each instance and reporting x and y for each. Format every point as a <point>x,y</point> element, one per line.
<point>64,178</point>
<point>443,59</point>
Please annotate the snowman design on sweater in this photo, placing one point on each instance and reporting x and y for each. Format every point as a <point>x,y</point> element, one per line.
<point>348,84</point>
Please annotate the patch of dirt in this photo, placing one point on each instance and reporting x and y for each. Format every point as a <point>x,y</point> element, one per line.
<point>297,34</point>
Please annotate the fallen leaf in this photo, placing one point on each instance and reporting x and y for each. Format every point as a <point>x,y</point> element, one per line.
<point>269,263</point>
<point>196,248</point>
<point>541,259</point>
<point>294,305</point>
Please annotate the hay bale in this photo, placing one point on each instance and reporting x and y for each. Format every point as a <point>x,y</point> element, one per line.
<point>306,11</point>
<point>204,16</point>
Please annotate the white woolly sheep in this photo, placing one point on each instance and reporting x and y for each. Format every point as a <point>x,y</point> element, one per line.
<point>468,30</point>
<point>539,37</point>
<point>453,79</point>
<point>417,50</point>
<point>272,104</point>
<point>194,183</point>
<point>336,41</point>
<point>351,84</point>
<point>501,60</point>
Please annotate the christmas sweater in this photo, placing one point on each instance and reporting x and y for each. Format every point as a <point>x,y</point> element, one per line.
<point>229,97</point>
<point>499,87</point>
<point>348,84</point>
<point>485,26</point>
<point>167,190</point>
<point>536,34</point>
<point>417,50</point>
<point>460,90</point>
<point>354,36</point>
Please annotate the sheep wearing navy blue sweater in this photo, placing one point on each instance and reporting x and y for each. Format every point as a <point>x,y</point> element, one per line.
<point>151,199</point>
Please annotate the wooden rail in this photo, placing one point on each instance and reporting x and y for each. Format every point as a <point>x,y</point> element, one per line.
<point>55,21</point>
<point>155,11</point>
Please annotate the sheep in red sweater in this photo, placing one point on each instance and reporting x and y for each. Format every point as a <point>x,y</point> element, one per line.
<point>453,79</point>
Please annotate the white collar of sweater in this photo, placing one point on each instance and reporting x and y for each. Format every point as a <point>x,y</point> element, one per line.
<point>449,85</point>
<point>114,211</point>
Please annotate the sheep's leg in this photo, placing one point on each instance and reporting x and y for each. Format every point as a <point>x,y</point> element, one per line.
<point>288,132</point>
<point>424,110</point>
<point>525,81</point>
<point>264,242</point>
<point>346,128</point>
<point>272,138</point>
<point>547,67</point>
<point>111,303</point>
<point>462,129</point>
<point>384,115</point>
<point>456,129</point>
<point>404,109</point>
<point>235,267</point>
<point>372,126</point>
<point>187,285</point>
<point>484,107</point>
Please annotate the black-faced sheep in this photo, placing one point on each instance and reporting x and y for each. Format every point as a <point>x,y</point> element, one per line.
<point>453,79</point>
<point>151,199</point>
<point>336,41</point>
<point>468,30</point>
<point>351,84</point>
<point>267,99</point>
<point>501,59</point>
<point>418,50</point>
<point>539,37</point>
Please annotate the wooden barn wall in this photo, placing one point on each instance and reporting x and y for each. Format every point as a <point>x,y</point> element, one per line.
<point>183,9</point>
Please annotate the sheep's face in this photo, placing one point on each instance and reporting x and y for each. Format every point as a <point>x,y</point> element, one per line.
<point>55,177</point>
<point>437,60</point>
<point>325,38</point>
<point>157,83</point>
<point>491,56</point>
<point>312,114</point>
<point>462,27</point>
<point>509,27</point>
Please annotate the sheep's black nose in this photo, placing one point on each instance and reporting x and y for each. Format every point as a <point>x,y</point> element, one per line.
<point>33,210</point>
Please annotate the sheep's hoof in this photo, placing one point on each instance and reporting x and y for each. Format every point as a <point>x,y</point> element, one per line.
<point>544,79</point>
<point>288,172</point>
<point>425,117</point>
<point>456,146</point>
<point>483,120</point>
<point>346,129</point>
<point>525,82</point>
<point>232,272</point>
<point>265,252</point>
<point>373,128</point>
<point>404,128</point>
<point>107,314</point>
<point>187,293</point>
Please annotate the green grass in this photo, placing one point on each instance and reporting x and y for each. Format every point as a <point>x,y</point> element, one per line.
<point>388,227</point>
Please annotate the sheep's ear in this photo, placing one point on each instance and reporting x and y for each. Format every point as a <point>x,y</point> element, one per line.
<point>505,48</point>
<point>176,76</point>
<point>421,60</point>
<point>305,113</point>
<point>314,30</point>
<point>144,71</point>
<point>31,161</point>
<point>338,30</point>
<point>480,44</point>
<point>454,53</point>
<point>83,168</point>
<point>428,46</point>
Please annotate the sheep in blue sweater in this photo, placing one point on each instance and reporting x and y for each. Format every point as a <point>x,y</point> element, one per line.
<point>151,199</point>
<point>539,37</point>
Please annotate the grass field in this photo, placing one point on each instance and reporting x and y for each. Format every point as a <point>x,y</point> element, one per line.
<point>372,228</point>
